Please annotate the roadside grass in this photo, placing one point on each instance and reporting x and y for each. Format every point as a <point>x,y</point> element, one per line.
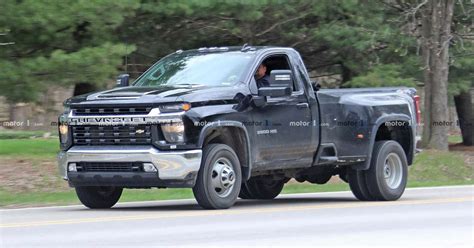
<point>47,148</point>
<point>434,168</point>
<point>431,168</point>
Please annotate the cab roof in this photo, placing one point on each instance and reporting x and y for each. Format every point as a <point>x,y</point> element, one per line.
<point>223,49</point>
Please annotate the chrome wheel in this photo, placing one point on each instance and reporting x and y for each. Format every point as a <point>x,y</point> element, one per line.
<point>222,177</point>
<point>219,179</point>
<point>393,171</point>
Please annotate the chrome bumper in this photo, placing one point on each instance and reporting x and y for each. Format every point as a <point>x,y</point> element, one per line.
<point>171,165</point>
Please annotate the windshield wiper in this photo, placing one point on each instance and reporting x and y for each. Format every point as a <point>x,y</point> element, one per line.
<point>188,85</point>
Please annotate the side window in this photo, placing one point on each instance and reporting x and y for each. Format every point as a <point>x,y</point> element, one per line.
<point>277,62</point>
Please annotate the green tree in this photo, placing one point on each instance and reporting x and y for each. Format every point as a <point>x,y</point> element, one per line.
<point>343,37</point>
<point>461,75</point>
<point>444,33</point>
<point>383,75</point>
<point>461,70</point>
<point>59,43</point>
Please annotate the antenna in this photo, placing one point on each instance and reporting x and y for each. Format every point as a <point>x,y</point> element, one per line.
<point>245,47</point>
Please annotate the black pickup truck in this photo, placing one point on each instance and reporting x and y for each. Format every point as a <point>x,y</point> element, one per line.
<point>234,122</point>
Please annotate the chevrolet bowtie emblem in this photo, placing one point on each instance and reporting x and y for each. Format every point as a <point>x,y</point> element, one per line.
<point>139,131</point>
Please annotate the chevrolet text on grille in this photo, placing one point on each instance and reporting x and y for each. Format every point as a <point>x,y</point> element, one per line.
<point>121,120</point>
<point>153,117</point>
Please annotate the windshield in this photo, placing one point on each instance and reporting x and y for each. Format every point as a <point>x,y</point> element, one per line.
<point>191,68</point>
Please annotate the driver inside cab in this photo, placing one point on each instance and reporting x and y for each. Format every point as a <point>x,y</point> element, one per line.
<point>263,80</point>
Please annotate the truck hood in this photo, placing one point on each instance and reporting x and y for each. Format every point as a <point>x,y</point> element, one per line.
<point>151,96</point>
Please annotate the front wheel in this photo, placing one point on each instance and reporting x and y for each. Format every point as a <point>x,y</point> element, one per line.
<point>219,179</point>
<point>98,197</point>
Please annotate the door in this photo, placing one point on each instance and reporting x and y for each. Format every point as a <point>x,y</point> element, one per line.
<point>284,125</point>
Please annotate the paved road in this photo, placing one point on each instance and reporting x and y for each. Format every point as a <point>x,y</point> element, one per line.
<point>424,217</point>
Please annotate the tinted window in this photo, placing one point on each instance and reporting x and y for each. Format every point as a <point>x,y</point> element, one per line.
<point>279,62</point>
<point>210,69</point>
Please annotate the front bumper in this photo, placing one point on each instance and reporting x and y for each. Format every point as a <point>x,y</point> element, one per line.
<point>175,168</point>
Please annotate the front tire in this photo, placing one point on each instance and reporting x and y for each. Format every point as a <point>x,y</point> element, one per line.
<point>219,179</point>
<point>98,197</point>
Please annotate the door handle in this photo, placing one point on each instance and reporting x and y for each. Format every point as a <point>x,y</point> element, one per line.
<point>302,105</point>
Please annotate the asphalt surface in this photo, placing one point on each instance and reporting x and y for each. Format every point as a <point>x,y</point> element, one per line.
<point>423,217</point>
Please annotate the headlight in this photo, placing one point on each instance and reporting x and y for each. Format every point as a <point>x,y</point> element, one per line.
<point>173,132</point>
<point>167,108</point>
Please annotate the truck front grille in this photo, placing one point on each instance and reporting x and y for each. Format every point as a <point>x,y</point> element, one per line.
<point>112,111</point>
<point>112,135</point>
<point>109,167</point>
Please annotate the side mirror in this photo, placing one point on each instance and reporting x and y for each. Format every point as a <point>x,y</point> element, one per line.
<point>281,84</point>
<point>123,80</point>
<point>316,85</point>
<point>274,91</point>
<point>281,78</point>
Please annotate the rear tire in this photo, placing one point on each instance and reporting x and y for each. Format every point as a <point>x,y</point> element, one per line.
<point>387,176</point>
<point>98,197</point>
<point>358,185</point>
<point>219,179</point>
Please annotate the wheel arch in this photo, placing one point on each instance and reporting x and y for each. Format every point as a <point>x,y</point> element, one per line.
<point>403,134</point>
<point>232,133</point>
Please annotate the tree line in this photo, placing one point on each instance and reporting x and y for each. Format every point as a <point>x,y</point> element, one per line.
<point>354,43</point>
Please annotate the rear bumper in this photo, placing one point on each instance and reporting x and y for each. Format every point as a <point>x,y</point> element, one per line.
<point>175,168</point>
